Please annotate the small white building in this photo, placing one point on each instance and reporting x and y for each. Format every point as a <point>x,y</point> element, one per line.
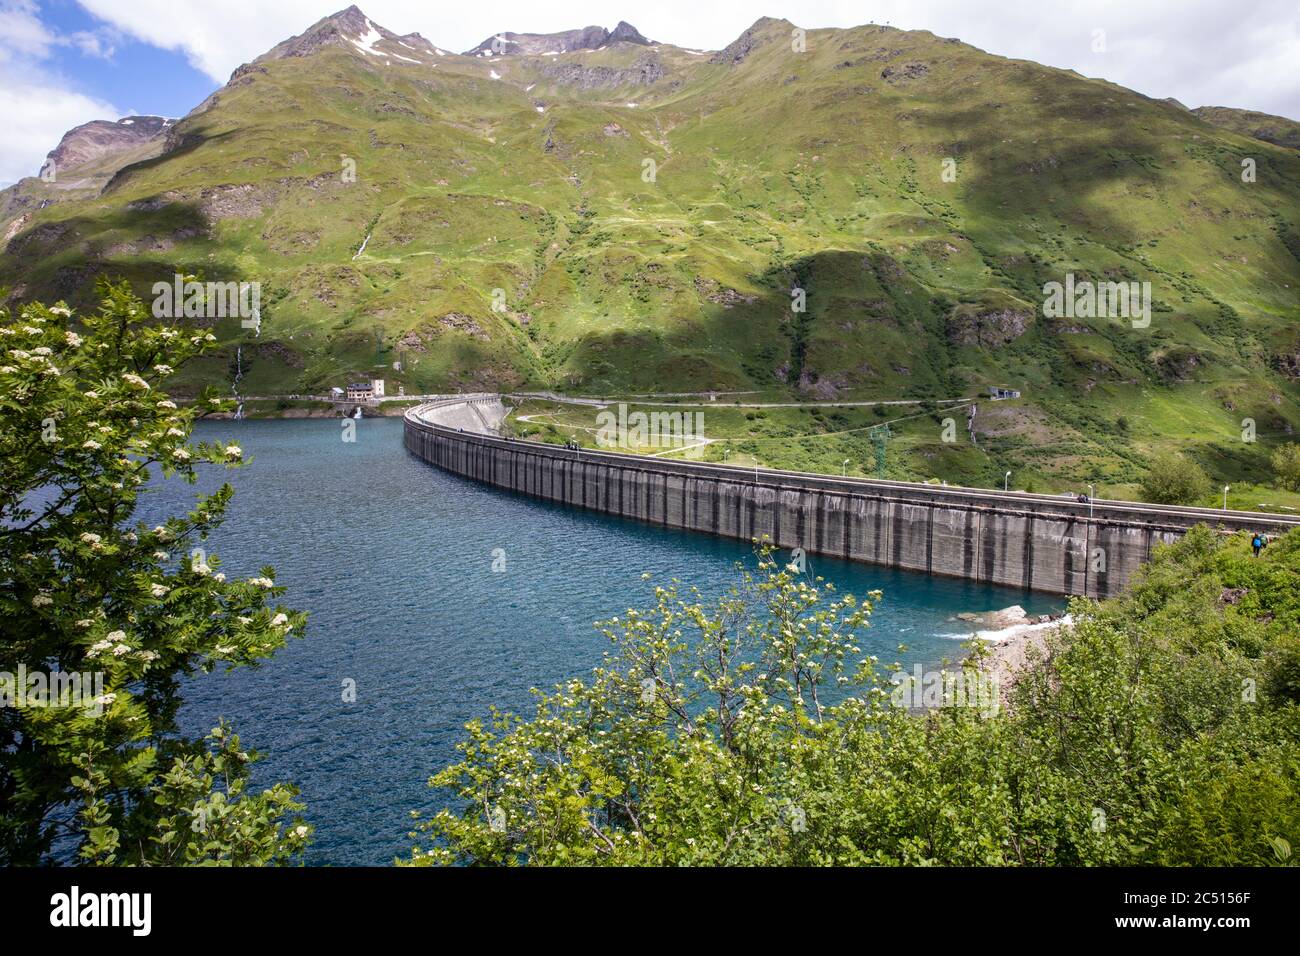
<point>377,385</point>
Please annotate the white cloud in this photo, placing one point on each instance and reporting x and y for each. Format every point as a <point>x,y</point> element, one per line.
<point>22,34</point>
<point>214,37</point>
<point>1220,52</point>
<point>35,119</point>
<point>101,44</point>
<point>38,106</point>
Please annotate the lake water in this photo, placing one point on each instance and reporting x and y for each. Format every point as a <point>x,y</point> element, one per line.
<point>393,560</point>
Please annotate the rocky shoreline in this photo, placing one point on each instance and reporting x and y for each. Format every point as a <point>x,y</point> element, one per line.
<point>1014,641</point>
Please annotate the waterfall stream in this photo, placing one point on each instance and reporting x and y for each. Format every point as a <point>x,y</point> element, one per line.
<point>239,373</point>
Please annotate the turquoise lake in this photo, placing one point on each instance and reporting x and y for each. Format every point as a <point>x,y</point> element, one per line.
<point>393,559</point>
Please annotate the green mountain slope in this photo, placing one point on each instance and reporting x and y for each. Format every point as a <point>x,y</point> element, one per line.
<point>772,170</point>
<point>1277,130</point>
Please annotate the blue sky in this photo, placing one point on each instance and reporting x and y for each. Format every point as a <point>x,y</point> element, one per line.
<point>135,76</point>
<point>65,62</point>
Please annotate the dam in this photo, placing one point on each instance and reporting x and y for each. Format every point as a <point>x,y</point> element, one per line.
<point>1047,543</point>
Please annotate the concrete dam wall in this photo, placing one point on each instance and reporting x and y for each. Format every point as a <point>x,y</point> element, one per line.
<point>1037,542</point>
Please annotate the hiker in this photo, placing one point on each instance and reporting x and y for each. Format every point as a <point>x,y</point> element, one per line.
<point>1258,543</point>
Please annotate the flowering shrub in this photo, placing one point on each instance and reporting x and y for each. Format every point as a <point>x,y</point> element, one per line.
<point>85,588</point>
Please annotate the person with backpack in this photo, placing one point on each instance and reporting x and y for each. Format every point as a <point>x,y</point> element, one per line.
<point>1258,543</point>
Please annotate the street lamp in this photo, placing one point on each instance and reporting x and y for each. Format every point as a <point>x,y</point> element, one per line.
<point>1225,496</point>
<point>844,469</point>
<point>1092,493</point>
<point>1006,481</point>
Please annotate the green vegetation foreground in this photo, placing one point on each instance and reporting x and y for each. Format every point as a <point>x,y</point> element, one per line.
<point>1162,728</point>
<point>96,772</point>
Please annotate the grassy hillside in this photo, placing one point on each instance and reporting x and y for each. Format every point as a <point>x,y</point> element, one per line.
<point>773,170</point>
<point>1271,129</point>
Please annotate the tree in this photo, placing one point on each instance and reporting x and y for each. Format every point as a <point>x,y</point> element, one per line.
<point>752,732</point>
<point>608,770</point>
<point>96,762</point>
<point>1286,466</point>
<point>1173,479</point>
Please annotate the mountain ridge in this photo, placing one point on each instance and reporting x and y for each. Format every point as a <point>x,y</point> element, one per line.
<point>565,41</point>
<point>636,216</point>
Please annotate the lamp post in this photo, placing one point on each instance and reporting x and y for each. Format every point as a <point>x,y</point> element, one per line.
<point>1092,493</point>
<point>1006,481</point>
<point>1225,496</point>
<point>844,469</point>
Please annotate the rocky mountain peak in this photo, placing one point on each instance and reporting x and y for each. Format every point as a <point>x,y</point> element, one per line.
<point>763,30</point>
<point>350,29</point>
<point>99,139</point>
<point>626,33</point>
<point>539,44</point>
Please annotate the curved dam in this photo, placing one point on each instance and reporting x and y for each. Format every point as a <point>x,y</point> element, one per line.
<point>1038,542</point>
